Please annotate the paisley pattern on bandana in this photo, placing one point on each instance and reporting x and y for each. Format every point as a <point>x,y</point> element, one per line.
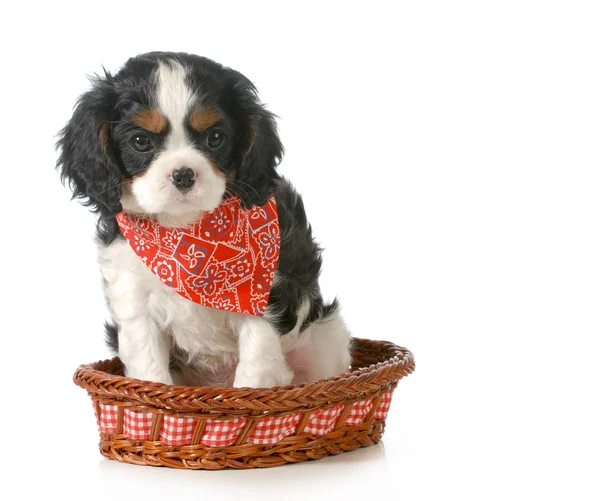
<point>226,260</point>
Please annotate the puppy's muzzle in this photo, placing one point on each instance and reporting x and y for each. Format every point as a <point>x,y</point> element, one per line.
<point>183,179</point>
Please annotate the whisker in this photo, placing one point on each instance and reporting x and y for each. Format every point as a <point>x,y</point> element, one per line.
<point>242,189</point>
<point>235,181</point>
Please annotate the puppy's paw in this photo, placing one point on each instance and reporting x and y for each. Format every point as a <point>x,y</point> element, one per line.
<point>255,376</point>
<point>164,378</point>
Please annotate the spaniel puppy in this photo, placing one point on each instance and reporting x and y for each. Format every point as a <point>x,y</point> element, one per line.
<point>210,269</point>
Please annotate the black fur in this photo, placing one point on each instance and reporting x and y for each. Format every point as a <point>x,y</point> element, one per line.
<point>259,149</point>
<point>87,160</point>
<point>95,161</point>
<point>299,265</point>
<point>111,337</point>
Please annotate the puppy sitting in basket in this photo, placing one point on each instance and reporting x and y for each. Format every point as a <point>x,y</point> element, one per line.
<point>210,269</point>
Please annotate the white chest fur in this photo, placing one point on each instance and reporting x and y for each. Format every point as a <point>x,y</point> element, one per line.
<point>133,291</point>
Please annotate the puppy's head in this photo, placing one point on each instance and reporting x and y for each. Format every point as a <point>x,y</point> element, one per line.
<point>169,135</point>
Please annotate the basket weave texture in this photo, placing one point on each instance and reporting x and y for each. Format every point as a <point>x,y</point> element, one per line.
<point>211,428</point>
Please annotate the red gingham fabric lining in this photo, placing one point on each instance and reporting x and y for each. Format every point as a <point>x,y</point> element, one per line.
<point>220,432</point>
<point>271,430</point>
<point>384,406</point>
<point>108,418</point>
<point>177,430</point>
<point>322,421</point>
<point>137,425</point>
<point>358,413</point>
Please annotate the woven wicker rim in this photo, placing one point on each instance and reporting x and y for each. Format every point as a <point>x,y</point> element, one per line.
<point>390,363</point>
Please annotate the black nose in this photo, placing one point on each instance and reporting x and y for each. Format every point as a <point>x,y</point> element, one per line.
<point>183,178</point>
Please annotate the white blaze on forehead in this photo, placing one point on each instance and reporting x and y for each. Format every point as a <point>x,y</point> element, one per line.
<point>174,99</point>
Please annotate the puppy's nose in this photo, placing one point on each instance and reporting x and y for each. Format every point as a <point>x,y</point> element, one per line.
<point>183,178</point>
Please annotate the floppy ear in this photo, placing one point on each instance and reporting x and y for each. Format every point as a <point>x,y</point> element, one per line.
<point>261,148</point>
<point>87,161</point>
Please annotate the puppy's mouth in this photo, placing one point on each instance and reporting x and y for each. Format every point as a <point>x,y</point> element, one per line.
<point>185,199</point>
<point>198,196</point>
<point>181,197</point>
<point>190,190</point>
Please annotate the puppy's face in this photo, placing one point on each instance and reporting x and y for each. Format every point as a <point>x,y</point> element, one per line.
<point>170,135</point>
<point>176,146</point>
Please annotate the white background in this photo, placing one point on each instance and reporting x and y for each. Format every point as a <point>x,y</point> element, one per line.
<point>448,154</point>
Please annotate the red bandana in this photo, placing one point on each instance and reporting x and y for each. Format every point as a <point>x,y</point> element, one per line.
<point>226,260</point>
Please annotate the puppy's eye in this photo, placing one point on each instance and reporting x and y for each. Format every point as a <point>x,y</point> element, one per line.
<point>141,143</point>
<point>215,139</point>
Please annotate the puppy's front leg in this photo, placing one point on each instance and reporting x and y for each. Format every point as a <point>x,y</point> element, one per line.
<point>145,350</point>
<point>262,363</point>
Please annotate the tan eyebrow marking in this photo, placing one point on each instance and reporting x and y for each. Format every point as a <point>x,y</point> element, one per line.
<point>150,120</point>
<point>203,119</point>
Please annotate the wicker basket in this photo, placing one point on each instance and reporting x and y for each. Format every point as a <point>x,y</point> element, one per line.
<point>213,428</point>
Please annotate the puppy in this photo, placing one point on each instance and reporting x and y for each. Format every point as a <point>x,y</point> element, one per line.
<point>210,269</point>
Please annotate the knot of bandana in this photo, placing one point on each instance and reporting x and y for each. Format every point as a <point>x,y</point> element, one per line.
<point>226,260</point>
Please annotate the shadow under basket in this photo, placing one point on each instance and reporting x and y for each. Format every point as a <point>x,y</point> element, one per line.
<point>212,428</point>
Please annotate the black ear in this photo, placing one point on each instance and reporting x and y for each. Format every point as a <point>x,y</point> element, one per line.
<point>87,161</point>
<point>260,148</point>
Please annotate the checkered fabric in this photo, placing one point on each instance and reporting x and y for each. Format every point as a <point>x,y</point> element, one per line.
<point>220,432</point>
<point>137,424</point>
<point>323,421</point>
<point>358,412</point>
<point>271,430</point>
<point>177,430</point>
<point>108,418</point>
<point>384,406</point>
